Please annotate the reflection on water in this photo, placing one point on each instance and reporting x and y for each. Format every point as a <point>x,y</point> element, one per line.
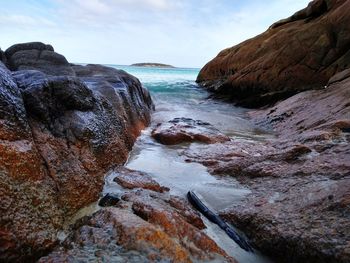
<point>175,94</point>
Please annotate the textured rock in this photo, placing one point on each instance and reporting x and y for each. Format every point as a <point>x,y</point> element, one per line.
<point>59,134</point>
<point>38,56</point>
<point>296,54</point>
<point>298,210</point>
<point>324,111</point>
<point>145,227</point>
<point>29,213</point>
<point>181,130</point>
<point>131,179</point>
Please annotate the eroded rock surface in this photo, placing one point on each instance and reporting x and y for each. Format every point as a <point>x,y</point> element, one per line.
<point>296,54</point>
<point>181,130</point>
<point>144,226</point>
<point>131,179</point>
<point>62,127</point>
<point>298,210</point>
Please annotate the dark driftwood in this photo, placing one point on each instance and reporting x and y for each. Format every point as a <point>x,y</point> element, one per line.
<point>198,204</point>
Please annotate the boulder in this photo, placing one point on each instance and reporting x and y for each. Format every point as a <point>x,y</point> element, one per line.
<point>36,55</point>
<point>298,208</point>
<point>59,134</point>
<point>182,130</point>
<point>297,54</point>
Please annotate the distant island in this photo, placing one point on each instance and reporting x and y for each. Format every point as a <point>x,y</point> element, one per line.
<point>155,65</point>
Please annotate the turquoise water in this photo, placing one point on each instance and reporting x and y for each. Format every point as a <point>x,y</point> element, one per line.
<point>175,94</point>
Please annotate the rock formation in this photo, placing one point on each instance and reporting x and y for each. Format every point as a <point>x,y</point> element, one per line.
<point>62,127</point>
<point>298,210</point>
<point>182,130</point>
<point>144,226</point>
<point>295,54</point>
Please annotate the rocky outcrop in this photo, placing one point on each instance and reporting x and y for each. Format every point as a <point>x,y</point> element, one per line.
<point>62,127</point>
<point>298,209</point>
<point>296,54</point>
<point>182,130</point>
<point>144,226</point>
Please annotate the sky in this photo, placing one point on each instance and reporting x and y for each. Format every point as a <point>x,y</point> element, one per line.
<point>184,33</point>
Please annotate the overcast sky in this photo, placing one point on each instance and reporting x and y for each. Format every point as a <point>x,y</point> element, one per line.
<point>178,32</point>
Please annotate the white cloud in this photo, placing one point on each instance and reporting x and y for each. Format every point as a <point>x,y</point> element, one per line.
<point>183,33</point>
<point>24,21</point>
<point>98,7</point>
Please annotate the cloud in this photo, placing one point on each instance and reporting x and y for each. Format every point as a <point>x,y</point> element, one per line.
<point>24,21</point>
<point>179,32</point>
<point>92,6</point>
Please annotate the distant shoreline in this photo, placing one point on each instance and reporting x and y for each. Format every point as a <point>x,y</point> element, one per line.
<point>152,65</point>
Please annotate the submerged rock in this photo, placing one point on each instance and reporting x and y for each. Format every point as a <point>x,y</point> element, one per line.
<point>296,54</point>
<point>298,208</point>
<point>109,199</point>
<point>60,131</point>
<point>131,179</point>
<point>181,130</point>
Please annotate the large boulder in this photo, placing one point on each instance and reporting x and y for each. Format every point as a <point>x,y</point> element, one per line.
<point>36,55</point>
<point>296,54</point>
<point>59,134</point>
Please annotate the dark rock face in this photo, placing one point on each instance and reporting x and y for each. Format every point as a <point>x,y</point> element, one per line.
<point>298,210</point>
<point>144,226</point>
<point>181,130</point>
<point>37,56</point>
<point>109,200</point>
<point>59,134</point>
<point>2,57</point>
<point>296,54</point>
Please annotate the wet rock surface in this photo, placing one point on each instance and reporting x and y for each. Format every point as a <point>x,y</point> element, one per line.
<point>298,210</point>
<point>60,131</point>
<point>145,226</point>
<point>296,54</point>
<point>131,179</point>
<point>109,199</point>
<point>181,130</point>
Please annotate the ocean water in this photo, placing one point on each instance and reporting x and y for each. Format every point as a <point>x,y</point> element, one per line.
<point>176,94</point>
